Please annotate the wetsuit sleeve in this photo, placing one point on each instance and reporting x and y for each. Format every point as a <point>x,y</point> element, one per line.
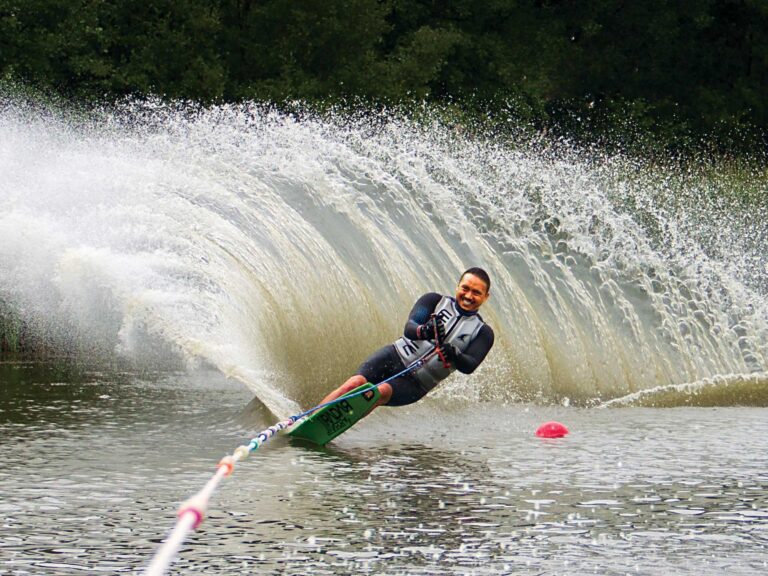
<point>470,359</point>
<point>420,313</point>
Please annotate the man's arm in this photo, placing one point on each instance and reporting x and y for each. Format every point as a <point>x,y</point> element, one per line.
<point>466,362</point>
<point>420,314</point>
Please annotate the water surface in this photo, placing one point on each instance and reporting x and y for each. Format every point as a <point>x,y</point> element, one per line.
<point>94,466</point>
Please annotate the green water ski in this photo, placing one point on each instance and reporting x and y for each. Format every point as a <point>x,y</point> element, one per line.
<point>330,421</point>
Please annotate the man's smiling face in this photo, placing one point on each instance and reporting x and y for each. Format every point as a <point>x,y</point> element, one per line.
<point>471,293</point>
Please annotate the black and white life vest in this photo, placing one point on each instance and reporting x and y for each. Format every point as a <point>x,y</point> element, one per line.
<point>460,330</point>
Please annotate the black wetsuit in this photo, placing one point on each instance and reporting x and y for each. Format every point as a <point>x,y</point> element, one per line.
<point>408,388</point>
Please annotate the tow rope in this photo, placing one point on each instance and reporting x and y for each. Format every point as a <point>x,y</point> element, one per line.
<point>192,512</point>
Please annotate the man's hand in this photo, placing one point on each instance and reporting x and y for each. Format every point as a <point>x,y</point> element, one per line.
<point>450,352</point>
<point>431,330</point>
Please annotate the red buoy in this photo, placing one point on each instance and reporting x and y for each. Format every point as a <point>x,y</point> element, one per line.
<point>551,430</point>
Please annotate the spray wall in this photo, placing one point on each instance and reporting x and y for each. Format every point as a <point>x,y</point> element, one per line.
<point>283,250</point>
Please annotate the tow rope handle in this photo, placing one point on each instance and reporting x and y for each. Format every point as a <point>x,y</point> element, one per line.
<point>439,347</point>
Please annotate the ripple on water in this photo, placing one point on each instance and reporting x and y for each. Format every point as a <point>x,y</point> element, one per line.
<point>99,498</point>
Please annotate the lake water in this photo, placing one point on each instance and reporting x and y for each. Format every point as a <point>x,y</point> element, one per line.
<point>240,261</point>
<point>94,466</point>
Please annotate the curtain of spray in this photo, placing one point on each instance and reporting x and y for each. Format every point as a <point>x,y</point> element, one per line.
<point>282,251</point>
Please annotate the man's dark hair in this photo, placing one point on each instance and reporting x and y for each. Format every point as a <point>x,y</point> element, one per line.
<point>480,273</point>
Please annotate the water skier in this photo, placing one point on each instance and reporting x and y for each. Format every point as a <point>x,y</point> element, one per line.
<point>447,332</point>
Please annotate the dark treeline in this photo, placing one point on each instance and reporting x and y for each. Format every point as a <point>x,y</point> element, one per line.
<point>675,68</point>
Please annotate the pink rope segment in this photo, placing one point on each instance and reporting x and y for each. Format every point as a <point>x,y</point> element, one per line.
<point>192,512</point>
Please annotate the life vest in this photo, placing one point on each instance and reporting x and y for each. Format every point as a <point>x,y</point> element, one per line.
<point>460,330</point>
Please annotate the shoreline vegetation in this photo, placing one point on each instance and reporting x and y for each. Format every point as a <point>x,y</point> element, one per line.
<point>11,340</point>
<point>19,340</point>
<point>650,78</point>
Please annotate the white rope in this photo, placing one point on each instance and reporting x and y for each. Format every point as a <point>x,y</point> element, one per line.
<point>166,553</point>
<point>192,512</point>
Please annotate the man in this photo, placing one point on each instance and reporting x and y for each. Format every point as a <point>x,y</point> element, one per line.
<point>446,332</point>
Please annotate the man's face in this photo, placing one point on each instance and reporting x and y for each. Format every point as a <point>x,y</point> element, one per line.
<point>471,293</point>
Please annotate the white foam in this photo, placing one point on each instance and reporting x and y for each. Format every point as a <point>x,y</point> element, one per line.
<point>289,250</point>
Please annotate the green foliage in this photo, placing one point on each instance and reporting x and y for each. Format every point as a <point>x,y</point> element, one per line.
<point>285,49</point>
<point>678,70</point>
<point>113,47</point>
<point>412,69</point>
<point>10,329</point>
<point>163,46</point>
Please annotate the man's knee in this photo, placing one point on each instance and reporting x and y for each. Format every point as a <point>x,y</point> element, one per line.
<point>353,383</point>
<point>386,394</point>
<point>356,380</point>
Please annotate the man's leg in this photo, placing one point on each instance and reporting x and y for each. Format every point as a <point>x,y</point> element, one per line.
<point>348,386</point>
<point>358,380</point>
<point>386,393</point>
